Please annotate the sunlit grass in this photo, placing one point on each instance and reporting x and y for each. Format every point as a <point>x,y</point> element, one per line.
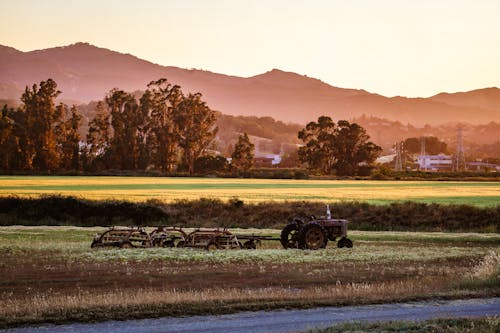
<point>73,243</point>
<point>253,190</point>
<point>40,305</point>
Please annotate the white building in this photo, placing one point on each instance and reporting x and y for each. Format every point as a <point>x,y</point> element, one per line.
<point>482,166</point>
<point>435,162</point>
<point>385,159</point>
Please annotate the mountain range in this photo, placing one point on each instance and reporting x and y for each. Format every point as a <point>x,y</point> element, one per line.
<point>85,72</point>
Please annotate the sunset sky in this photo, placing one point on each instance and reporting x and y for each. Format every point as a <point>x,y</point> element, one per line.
<point>393,47</point>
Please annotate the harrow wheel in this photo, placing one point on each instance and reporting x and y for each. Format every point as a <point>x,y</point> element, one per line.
<point>312,236</point>
<point>289,236</point>
<point>126,245</point>
<point>250,245</point>
<point>169,243</point>
<point>212,246</point>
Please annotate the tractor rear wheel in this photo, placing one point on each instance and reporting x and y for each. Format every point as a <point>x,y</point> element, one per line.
<point>312,236</point>
<point>289,236</point>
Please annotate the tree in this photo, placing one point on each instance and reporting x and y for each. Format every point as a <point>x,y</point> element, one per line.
<point>290,159</point>
<point>98,138</point>
<point>352,148</point>
<point>14,150</point>
<point>161,102</point>
<point>243,154</point>
<point>341,147</point>
<point>69,139</point>
<point>433,145</point>
<point>41,119</point>
<point>7,146</point>
<point>197,130</point>
<point>207,164</point>
<point>318,150</point>
<point>127,122</point>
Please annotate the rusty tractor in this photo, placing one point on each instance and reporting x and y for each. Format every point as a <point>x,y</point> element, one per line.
<point>314,233</point>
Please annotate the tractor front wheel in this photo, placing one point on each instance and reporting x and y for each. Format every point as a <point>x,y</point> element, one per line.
<point>344,242</point>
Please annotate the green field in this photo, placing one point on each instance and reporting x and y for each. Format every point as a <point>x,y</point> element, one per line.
<point>253,190</point>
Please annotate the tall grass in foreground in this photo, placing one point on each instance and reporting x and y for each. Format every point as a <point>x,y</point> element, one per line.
<point>42,305</point>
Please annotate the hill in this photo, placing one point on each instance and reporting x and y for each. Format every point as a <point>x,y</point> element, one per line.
<point>85,72</point>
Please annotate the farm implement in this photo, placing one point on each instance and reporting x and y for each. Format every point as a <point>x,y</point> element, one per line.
<point>123,238</point>
<point>310,233</point>
<point>165,236</point>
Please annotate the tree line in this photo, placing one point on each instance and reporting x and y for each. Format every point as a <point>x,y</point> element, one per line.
<point>163,129</point>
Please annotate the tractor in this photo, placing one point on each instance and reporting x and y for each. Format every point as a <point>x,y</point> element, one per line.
<point>314,233</point>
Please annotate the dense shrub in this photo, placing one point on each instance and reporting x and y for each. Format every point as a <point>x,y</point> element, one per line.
<point>58,210</point>
<point>406,216</point>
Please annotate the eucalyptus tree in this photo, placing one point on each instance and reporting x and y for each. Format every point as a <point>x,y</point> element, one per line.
<point>41,119</point>
<point>339,147</point>
<point>197,129</point>
<point>98,138</point>
<point>127,122</point>
<point>68,138</point>
<point>318,151</point>
<point>242,157</point>
<point>161,102</point>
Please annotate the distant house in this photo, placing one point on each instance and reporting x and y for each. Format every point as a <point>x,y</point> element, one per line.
<point>267,160</point>
<point>385,159</point>
<point>262,162</point>
<point>482,166</point>
<point>435,162</point>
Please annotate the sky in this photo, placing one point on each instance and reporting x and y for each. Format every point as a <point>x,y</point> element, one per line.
<point>391,47</point>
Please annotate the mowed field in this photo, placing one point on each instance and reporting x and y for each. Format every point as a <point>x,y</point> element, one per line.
<point>253,190</point>
<point>52,274</point>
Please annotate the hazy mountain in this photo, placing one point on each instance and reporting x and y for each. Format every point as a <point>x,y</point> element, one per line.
<point>488,98</point>
<point>85,72</point>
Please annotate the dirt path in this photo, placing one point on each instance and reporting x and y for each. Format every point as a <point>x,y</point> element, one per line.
<point>287,320</point>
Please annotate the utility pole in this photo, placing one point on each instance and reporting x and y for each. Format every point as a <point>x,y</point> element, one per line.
<point>422,145</point>
<point>422,151</point>
<point>459,158</point>
<point>399,159</point>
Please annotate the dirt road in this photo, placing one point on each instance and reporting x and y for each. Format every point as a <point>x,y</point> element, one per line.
<point>286,320</point>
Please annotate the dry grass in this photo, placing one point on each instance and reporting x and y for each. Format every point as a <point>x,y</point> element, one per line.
<point>38,305</point>
<point>488,267</point>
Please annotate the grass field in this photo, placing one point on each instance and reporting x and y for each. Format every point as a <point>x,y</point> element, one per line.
<point>254,190</point>
<point>52,274</point>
